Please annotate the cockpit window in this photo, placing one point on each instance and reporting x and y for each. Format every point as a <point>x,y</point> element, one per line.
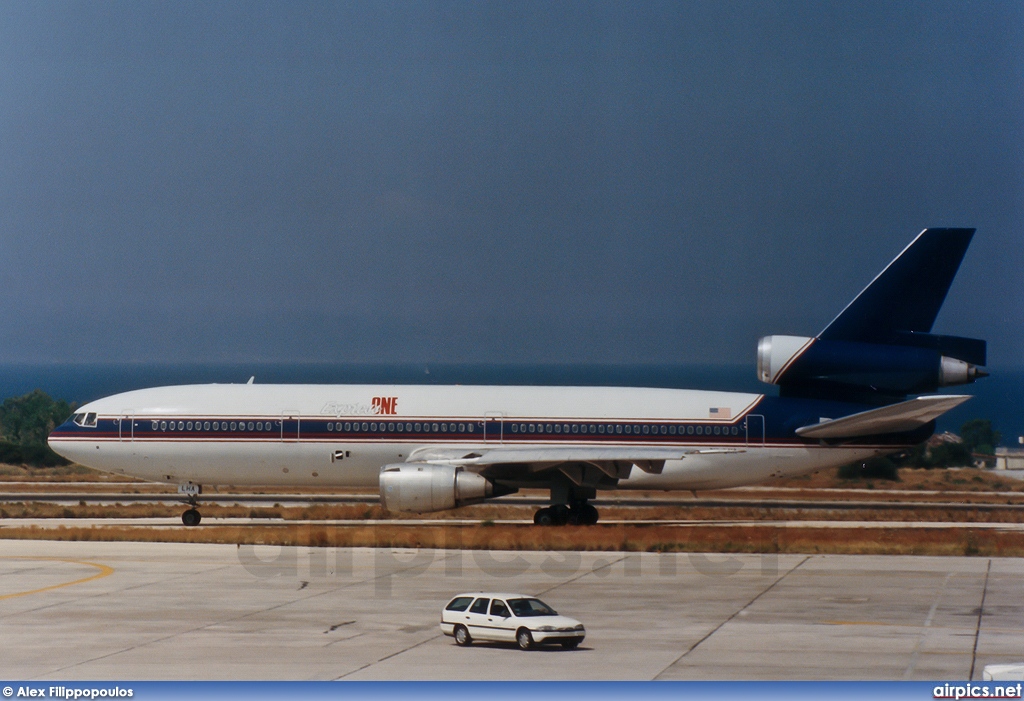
<point>87,420</point>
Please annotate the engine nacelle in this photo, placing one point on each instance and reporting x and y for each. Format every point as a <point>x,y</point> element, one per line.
<point>806,364</point>
<point>420,488</point>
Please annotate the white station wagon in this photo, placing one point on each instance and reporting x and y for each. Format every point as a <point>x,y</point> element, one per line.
<point>514,618</point>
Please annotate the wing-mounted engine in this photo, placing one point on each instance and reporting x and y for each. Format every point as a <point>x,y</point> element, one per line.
<point>880,348</point>
<point>420,488</point>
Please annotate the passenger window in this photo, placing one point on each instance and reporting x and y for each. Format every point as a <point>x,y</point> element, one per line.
<point>459,603</point>
<point>479,606</point>
<point>498,608</point>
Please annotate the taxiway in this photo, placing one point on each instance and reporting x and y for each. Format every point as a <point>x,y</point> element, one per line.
<point>129,611</point>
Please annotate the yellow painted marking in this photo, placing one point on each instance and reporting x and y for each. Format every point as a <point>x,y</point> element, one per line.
<point>104,571</point>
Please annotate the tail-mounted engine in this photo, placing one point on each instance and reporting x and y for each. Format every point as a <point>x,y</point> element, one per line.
<point>813,367</point>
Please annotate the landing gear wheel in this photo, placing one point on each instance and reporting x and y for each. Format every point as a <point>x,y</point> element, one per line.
<point>524,639</point>
<point>462,636</point>
<point>560,514</point>
<point>543,518</point>
<point>191,518</point>
<point>583,514</point>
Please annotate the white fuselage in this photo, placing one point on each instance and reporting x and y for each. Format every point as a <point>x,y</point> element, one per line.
<point>341,435</point>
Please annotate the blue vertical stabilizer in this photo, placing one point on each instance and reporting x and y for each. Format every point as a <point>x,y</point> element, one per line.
<point>907,295</point>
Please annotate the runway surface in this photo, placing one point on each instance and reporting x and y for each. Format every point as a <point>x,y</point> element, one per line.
<point>129,611</point>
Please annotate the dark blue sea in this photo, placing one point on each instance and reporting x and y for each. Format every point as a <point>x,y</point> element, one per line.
<point>999,398</point>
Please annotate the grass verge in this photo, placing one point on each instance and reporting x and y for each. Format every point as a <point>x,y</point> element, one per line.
<point>653,538</point>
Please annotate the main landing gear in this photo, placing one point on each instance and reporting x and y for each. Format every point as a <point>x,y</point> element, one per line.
<point>191,491</point>
<point>579,513</point>
<point>569,503</point>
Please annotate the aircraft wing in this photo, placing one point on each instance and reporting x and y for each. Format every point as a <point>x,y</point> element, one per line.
<point>895,418</point>
<point>613,461</point>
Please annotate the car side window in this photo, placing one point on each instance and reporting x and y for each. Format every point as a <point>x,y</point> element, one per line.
<point>459,603</point>
<point>479,606</point>
<point>498,608</point>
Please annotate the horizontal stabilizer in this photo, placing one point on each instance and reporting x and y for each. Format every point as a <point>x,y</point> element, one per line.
<point>895,418</point>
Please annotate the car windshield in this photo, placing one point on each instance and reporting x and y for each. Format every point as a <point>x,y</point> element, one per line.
<point>530,607</point>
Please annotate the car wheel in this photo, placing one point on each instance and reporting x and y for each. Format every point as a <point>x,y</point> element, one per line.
<point>570,644</point>
<point>462,636</point>
<point>524,639</point>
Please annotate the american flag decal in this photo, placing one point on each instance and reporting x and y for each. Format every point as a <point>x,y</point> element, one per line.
<point>716,412</point>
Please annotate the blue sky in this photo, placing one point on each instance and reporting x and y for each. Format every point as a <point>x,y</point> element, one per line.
<point>563,182</point>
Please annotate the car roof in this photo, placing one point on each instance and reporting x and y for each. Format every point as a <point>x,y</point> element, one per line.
<point>494,595</point>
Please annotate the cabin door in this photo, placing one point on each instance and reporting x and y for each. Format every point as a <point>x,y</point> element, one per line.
<point>126,425</point>
<point>754,426</point>
<point>291,426</point>
<point>494,427</point>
